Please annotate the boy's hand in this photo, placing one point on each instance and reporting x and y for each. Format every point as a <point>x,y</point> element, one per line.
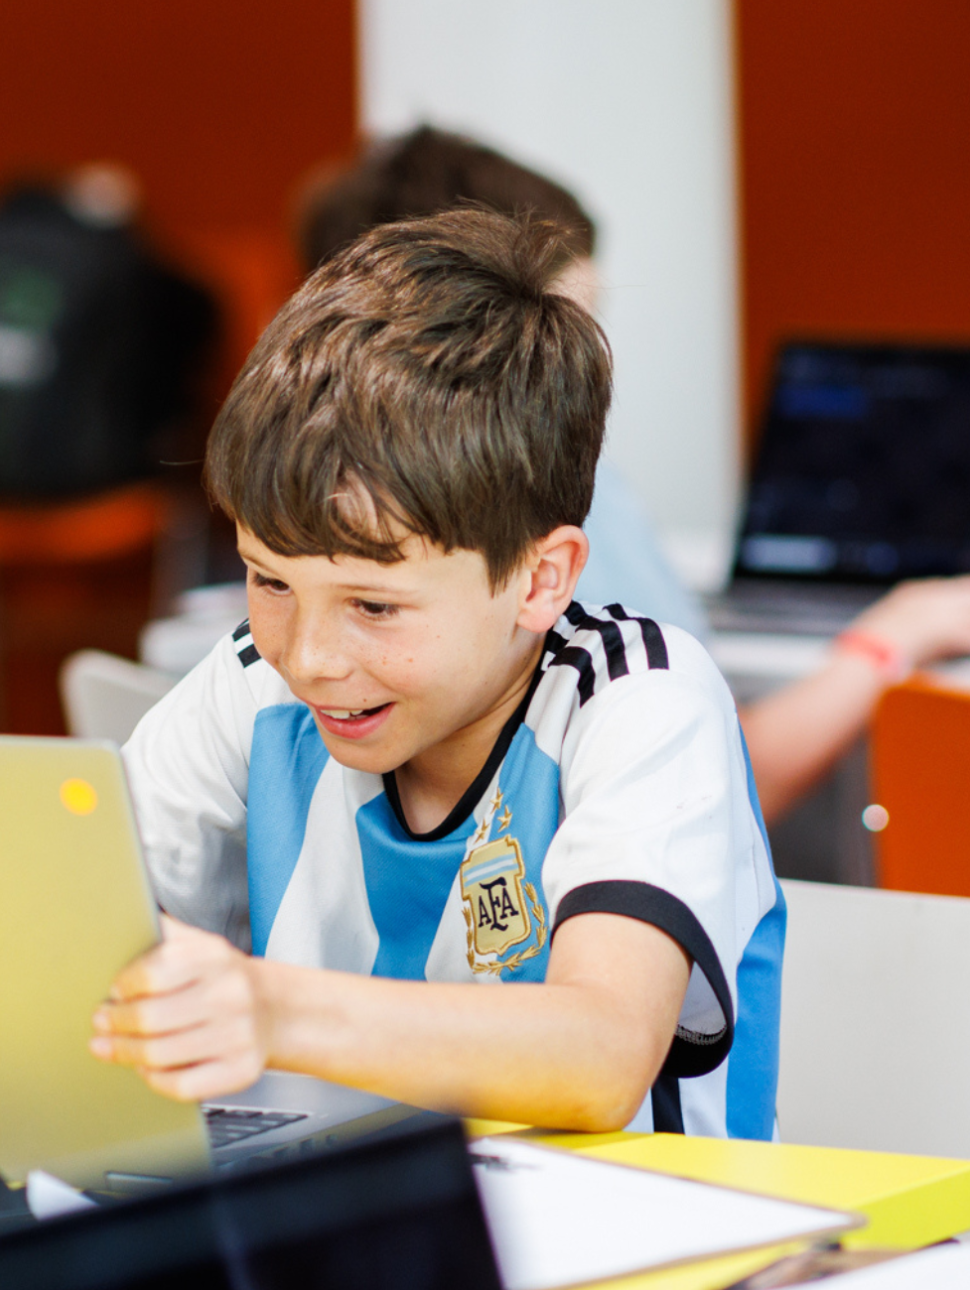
<point>187,1016</point>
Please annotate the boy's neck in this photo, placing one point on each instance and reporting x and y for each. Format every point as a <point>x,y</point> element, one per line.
<point>432,783</point>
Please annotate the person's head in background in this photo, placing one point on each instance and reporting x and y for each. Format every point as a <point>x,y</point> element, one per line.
<point>429,170</point>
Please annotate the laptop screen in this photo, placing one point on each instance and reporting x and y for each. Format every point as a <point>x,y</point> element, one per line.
<point>400,1212</point>
<point>863,468</point>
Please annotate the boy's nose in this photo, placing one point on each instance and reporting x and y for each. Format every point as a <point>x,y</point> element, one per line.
<point>312,653</point>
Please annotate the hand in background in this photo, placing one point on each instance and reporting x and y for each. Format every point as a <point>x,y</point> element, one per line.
<point>796,735</point>
<point>924,620</point>
<point>187,1016</point>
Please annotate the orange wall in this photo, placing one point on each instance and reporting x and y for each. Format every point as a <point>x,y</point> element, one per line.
<point>855,180</point>
<point>218,104</point>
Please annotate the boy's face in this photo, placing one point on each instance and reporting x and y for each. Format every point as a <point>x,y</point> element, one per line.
<point>392,659</point>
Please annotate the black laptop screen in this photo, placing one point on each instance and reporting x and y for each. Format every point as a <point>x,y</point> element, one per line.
<point>863,468</point>
<point>400,1212</point>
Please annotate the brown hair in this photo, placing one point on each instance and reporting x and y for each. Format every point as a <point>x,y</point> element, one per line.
<point>423,172</point>
<point>424,380</point>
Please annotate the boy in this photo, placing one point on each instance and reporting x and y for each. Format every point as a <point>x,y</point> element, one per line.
<point>431,769</point>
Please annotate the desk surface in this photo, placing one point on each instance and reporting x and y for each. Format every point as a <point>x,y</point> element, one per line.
<point>909,1200</point>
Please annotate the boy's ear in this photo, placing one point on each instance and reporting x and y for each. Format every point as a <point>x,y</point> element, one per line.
<point>550,576</point>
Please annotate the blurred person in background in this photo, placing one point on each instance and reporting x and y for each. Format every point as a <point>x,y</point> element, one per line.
<point>796,735</point>
<point>101,343</point>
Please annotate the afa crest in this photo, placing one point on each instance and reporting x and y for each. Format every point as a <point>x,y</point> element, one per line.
<point>499,908</point>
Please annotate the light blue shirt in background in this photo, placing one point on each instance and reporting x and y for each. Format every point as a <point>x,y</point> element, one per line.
<point>626,563</point>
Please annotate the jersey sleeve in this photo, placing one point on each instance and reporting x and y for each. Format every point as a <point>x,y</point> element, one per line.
<point>188,767</point>
<point>657,826</point>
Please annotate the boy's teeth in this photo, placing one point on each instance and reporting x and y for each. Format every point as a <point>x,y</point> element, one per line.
<point>344,716</point>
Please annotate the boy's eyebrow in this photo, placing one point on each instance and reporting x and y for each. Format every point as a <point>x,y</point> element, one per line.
<point>370,588</point>
<point>250,558</point>
<point>375,589</point>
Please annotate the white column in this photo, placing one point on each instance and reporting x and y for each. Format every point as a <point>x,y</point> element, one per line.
<point>629,103</point>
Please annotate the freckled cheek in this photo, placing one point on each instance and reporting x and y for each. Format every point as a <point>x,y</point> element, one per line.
<point>408,672</point>
<point>269,631</point>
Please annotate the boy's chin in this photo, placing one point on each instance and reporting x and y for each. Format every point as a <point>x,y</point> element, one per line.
<point>375,758</point>
<point>370,762</point>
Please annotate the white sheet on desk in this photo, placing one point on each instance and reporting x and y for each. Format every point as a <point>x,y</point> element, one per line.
<point>49,1197</point>
<point>943,1267</point>
<point>560,1219</point>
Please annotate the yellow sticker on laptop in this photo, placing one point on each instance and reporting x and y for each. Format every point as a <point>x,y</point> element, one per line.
<point>79,796</point>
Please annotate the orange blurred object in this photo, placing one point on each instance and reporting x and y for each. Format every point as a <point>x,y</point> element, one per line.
<point>92,528</point>
<point>73,574</point>
<point>920,764</point>
<point>250,273</point>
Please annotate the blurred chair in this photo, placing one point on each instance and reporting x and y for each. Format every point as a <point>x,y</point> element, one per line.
<point>73,573</point>
<point>105,696</point>
<point>920,775</point>
<point>111,524</point>
<point>875,1027</point>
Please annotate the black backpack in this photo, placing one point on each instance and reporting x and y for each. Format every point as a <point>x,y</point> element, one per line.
<point>99,345</point>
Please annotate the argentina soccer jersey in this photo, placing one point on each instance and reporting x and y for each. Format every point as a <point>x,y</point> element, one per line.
<point>618,786</point>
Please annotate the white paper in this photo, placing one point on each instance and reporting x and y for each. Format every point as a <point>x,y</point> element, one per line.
<point>943,1267</point>
<point>48,1197</point>
<point>560,1219</point>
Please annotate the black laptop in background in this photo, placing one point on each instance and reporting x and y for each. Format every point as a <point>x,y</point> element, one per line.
<point>861,479</point>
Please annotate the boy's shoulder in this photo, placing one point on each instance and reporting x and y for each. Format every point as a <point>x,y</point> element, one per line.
<point>617,688</point>
<point>613,650</point>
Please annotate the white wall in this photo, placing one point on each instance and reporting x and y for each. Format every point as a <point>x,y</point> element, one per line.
<point>629,103</point>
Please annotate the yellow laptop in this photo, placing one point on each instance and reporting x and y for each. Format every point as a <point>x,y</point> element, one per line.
<point>75,906</point>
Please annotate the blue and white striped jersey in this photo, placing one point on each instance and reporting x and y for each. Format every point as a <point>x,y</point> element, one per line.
<point>621,785</point>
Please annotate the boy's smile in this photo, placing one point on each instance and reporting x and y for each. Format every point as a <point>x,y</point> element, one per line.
<point>411,667</point>
<point>351,725</point>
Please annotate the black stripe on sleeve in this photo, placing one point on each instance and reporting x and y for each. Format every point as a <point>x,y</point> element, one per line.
<point>690,1054</point>
<point>616,663</point>
<point>668,1115</point>
<point>580,659</point>
<point>653,637</point>
<point>247,654</point>
<point>554,642</point>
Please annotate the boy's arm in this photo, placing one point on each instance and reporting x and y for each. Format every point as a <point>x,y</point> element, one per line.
<point>796,735</point>
<point>198,1019</point>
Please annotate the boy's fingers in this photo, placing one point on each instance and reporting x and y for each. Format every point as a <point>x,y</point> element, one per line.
<point>153,1015</point>
<point>199,1044</point>
<point>191,1080</point>
<point>174,928</point>
<point>205,1079</point>
<point>161,1052</point>
<point>182,958</point>
<point>154,973</point>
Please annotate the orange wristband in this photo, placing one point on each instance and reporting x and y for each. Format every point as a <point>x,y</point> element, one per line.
<point>889,661</point>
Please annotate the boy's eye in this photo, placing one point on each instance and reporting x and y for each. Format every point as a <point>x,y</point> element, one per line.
<point>260,580</point>
<point>375,608</point>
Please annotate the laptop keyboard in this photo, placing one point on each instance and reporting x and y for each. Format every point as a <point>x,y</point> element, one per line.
<point>228,1125</point>
<point>821,610</point>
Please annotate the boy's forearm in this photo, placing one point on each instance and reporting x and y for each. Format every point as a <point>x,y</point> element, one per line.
<point>199,1019</point>
<point>828,711</point>
<point>560,1055</point>
<point>541,1054</point>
